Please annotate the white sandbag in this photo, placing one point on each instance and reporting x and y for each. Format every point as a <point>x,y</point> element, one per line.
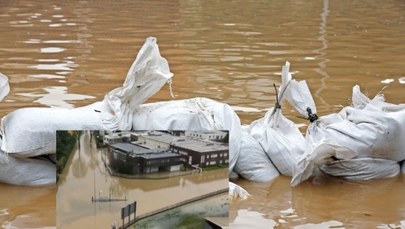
<point>359,100</point>
<point>4,86</point>
<point>31,131</point>
<point>26,171</point>
<point>280,139</point>
<point>364,130</point>
<point>297,94</point>
<point>314,157</point>
<point>362,168</point>
<point>149,72</point>
<point>253,163</point>
<point>191,114</point>
<point>235,191</point>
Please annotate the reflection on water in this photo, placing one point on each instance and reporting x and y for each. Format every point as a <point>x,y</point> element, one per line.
<point>85,176</point>
<point>56,97</point>
<point>323,202</point>
<point>321,52</point>
<point>27,207</point>
<point>231,51</point>
<point>215,49</point>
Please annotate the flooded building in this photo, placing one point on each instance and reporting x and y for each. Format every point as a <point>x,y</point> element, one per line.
<point>116,137</point>
<point>128,158</point>
<point>143,152</point>
<point>206,135</point>
<point>154,139</point>
<point>202,153</point>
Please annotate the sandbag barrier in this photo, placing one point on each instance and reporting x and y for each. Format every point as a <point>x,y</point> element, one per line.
<point>362,141</point>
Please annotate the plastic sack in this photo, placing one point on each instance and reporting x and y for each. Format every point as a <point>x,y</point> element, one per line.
<point>363,130</point>
<point>297,94</point>
<point>198,114</point>
<point>30,132</point>
<point>362,168</point>
<point>236,191</point>
<point>279,137</point>
<point>149,72</point>
<point>253,163</point>
<point>26,171</point>
<point>4,86</point>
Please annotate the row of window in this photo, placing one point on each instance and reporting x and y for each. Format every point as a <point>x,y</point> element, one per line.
<point>209,136</point>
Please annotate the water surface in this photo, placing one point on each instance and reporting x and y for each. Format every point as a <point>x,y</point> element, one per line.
<point>69,54</point>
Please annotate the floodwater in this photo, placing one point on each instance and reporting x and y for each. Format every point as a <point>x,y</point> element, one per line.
<point>85,176</point>
<point>69,54</point>
<point>27,206</point>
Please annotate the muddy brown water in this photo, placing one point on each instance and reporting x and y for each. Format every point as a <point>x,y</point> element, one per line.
<point>70,54</point>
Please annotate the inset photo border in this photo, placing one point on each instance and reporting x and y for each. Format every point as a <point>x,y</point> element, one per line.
<point>142,179</point>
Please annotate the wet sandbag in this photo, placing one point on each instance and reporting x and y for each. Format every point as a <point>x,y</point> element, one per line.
<point>148,73</point>
<point>26,171</point>
<point>362,168</point>
<point>297,94</point>
<point>253,163</point>
<point>236,191</point>
<point>199,114</point>
<point>280,139</point>
<point>4,86</point>
<point>363,130</point>
<point>30,132</point>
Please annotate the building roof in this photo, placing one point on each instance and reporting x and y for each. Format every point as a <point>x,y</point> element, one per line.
<point>143,152</point>
<point>218,132</point>
<point>131,148</point>
<point>162,137</point>
<point>156,155</point>
<point>118,134</point>
<point>201,146</point>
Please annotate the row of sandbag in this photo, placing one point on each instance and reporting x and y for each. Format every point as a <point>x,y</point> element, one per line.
<point>31,132</point>
<point>363,141</point>
<point>260,151</point>
<point>121,109</point>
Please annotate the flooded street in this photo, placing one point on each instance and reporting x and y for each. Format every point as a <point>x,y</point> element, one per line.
<point>85,176</point>
<point>70,54</point>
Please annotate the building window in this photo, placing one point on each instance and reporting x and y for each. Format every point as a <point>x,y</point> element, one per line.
<point>202,159</point>
<point>213,162</point>
<point>214,155</point>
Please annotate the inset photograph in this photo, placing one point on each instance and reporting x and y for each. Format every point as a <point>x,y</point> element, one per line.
<point>142,179</point>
